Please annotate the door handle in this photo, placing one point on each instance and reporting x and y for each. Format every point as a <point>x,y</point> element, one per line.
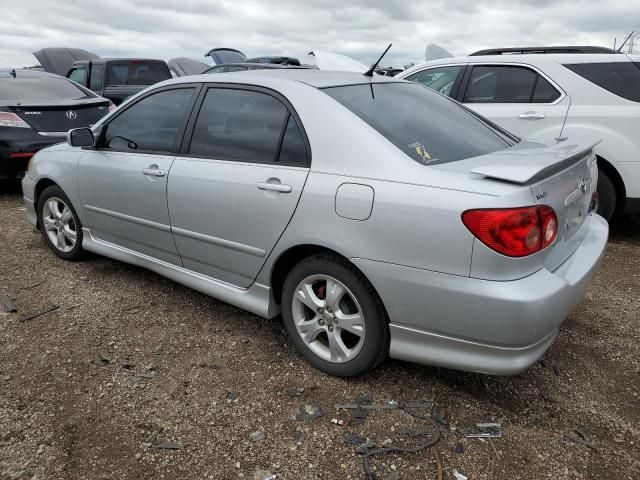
<point>531,116</point>
<point>274,187</point>
<point>153,171</point>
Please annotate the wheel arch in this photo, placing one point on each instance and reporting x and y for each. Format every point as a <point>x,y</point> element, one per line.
<point>613,174</point>
<point>41,185</point>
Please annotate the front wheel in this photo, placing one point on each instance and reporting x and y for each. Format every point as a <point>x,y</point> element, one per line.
<point>59,224</point>
<point>334,317</point>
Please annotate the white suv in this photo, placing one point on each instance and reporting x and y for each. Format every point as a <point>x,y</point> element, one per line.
<point>548,96</point>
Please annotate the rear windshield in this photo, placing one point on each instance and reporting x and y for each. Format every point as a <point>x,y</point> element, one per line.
<point>427,126</point>
<point>620,78</point>
<point>137,73</point>
<point>29,90</point>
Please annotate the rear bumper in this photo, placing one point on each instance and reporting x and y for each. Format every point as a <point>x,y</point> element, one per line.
<point>485,326</point>
<point>20,141</point>
<point>12,167</point>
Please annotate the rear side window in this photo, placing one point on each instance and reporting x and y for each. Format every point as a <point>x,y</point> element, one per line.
<point>79,75</point>
<point>293,150</point>
<point>440,79</point>
<point>35,89</point>
<point>619,78</point>
<point>237,68</point>
<point>508,84</point>
<point>240,125</point>
<point>151,124</point>
<point>136,73</point>
<point>428,127</point>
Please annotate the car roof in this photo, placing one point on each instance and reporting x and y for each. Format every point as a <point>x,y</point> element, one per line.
<point>312,77</point>
<point>26,73</point>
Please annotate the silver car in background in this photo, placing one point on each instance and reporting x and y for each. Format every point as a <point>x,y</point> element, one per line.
<point>379,217</point>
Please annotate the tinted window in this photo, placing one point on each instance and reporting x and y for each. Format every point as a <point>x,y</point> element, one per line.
<point>216,70</point>
<point>293,151</point>
<point>35,89</point>
<point>78,75</point>
<point>507,84</point>
<point>440,79</point>
<point>620,78</point>
<point>237,68</point>
<point>136,73</point>
<point>238,125</point>
<point>426,126</point>
<point>152,124</point>
<point>221,56</point>
<point>95,82</point>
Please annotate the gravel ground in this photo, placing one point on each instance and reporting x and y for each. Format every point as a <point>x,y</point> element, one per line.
<point>135,377</point>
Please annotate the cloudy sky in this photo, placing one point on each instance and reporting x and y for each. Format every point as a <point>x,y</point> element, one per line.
<point>359,28</point>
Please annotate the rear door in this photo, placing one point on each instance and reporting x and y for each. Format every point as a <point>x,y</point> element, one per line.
<point>237,182</point>
<point>518,98</point>
<point>123,182</point>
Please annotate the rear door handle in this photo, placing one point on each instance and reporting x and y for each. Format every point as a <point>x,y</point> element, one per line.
<point>274,187</point>
<point>531,116</point>
<point>153,171</point>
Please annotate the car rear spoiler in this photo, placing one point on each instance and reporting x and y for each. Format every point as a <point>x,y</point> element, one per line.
<point>528,165</point>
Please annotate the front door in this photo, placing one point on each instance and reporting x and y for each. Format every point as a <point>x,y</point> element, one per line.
<point>519,99</point>
<point>123,182</point>
<point>236,184</point>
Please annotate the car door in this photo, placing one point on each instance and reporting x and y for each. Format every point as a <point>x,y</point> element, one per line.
<point>518,98</point>
<point>237,181</point>
<point>123,182</point>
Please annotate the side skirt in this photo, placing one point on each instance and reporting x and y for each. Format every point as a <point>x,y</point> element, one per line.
<point>256,299</point>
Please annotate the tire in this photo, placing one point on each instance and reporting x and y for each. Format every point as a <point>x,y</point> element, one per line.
<point>349,298</point>
<point>59,224</point>
<point>607,197</point>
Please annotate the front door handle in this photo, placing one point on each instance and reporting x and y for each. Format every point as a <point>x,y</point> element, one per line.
<point>274,187</point>
<point>531,116</point>
<point>153,171</point>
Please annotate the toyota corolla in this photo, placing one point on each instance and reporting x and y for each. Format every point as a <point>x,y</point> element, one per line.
<point>380,218</point>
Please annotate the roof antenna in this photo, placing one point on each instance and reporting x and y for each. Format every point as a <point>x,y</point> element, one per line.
<point>369,73</point>
<point>625,41</point>
<point>13,73</point>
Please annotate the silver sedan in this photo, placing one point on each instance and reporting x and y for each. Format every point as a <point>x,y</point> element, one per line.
<point>379,217</point>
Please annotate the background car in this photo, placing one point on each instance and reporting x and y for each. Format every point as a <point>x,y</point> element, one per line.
<point>243,67</point>
<point>36,110</point>
<point>556,94</point>
<point>331,197</point>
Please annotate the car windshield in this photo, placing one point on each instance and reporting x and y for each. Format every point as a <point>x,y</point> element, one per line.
<point>427,126</point>
<point>137,73</point>
<point>36,89</point>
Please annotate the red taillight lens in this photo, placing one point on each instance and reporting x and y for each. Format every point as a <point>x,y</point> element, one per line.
<point>8,119</point>
<point>515,232</point>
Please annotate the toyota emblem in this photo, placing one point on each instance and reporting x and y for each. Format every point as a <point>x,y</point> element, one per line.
<point>71,115</point>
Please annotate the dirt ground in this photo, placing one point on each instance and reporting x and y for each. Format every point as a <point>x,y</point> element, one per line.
<point>136,377</point>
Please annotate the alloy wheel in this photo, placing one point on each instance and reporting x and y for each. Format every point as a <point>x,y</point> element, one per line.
<point>59,224</point>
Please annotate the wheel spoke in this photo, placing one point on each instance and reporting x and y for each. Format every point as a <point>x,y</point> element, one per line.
<point>339,351</point>
<point>353,323</point>
<point>69,234</point>
<point>335,292</point>
<point>66,214</point>
<point>52,205</point>
<point>49,223</point>
<point>60,243</point>
<point>309,330</point>
<point>307,296</point>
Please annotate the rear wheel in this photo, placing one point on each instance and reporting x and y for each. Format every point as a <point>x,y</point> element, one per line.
<point>59,224</point>
<point>334,317</point>
<point>607,198</point>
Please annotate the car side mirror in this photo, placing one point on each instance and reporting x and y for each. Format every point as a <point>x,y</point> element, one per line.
<point>81,137</point>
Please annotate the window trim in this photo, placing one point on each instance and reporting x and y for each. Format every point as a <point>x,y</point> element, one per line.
<point>188,133</point>
<point>458,82</point>
<point>465,83</point>
<point>103,128</point>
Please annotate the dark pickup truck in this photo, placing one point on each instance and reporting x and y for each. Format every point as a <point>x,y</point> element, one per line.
<point>112,78</point>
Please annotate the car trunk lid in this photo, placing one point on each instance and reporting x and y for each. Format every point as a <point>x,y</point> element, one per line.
<point>61,118</point>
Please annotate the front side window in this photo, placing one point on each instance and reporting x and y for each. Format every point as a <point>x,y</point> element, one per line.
<point>151,124</point>
<point>619,78</point>
<point>428,127</point>
<point>240,125</point>
<point>440,79</point>
<point>508,84</point>
<point>79,75</point>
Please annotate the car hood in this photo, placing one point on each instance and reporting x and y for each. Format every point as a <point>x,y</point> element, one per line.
<point>60,60</point>
<point>182,66</point>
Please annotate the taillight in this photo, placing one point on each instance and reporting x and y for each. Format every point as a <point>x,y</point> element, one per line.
<point>8,119</point>
<point>515,232</point>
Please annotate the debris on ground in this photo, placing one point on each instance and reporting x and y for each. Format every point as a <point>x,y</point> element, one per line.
<point>298,436</point>
<point>482,430</point>
<point>459,476</point>
<point>439,416</point>
<point>547,364</point>
<point>168,445</point>
<point>7,303</point>
<point>295,392</point>
<point>257,436</point>
<point>232,396</point>
<point>309,410</point>
<point>105,360</point>
<point>579,436</point>
<point>39,313</point>
<point>350,439</point>
<point>260,474</point>
<point>338,421</point>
